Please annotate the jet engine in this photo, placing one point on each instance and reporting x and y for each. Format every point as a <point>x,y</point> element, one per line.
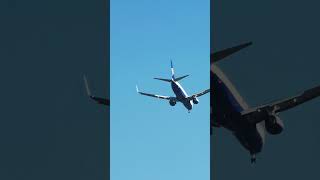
<point>195,100</point>
<point>172,102</point>
<point>274,124</point>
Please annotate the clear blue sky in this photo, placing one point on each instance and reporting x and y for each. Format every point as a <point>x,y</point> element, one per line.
<point>149,138</point>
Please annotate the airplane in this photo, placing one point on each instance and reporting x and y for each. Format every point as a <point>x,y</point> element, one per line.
<point>181,95</point>
<point>248,124</point>
<point>99,100</point>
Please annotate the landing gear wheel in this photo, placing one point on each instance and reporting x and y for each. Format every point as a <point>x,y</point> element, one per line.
<point>253,159</point>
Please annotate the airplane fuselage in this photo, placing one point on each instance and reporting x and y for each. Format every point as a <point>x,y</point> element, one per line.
<point>226,113</point>
<point>248,124</point>
<point>181,95</point>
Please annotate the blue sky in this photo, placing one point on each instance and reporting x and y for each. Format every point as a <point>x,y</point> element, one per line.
<point>149,138</point>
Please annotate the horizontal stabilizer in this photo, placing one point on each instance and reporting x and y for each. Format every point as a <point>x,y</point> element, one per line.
<point>217,56</point>
<point>179,78</point>
<point>161,79</point>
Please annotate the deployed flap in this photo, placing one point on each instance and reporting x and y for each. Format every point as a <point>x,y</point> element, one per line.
<point>217,56</point>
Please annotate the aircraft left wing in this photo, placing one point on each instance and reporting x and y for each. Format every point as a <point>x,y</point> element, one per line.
<point>284,104</point>
<point>97,99</point>
<point>199,94</point>
<point>101,100</point>
<point>154,95</point>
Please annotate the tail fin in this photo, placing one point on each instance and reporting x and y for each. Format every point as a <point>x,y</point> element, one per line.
<point>172,77</point>
<point>172,71</point>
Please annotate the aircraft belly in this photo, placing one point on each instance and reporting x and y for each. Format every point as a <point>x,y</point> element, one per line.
<point>181,95</point>
<point>226,120</point>
<point>187,104</point>
<point>178,92</point>
<point>250,138</point>
<point>227,105</point>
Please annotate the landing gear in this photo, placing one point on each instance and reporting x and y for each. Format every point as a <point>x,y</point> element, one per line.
<point>188,111</point>
<point>253,158</point>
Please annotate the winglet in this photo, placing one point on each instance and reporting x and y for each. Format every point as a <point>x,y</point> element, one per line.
<point>137,89</point>
<point>87,85</point>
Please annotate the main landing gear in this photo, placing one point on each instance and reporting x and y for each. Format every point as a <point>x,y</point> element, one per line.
<point>253,158</point>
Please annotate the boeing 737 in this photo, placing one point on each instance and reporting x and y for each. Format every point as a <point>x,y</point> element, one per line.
<point>248,124</point>
<point>181,95</point>
<point>99,100</point>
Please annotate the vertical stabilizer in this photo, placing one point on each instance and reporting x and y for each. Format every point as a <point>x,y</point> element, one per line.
<point>172,70</point>
<point>172,76</point>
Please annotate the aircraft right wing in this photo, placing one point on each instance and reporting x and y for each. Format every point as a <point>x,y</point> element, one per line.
<point>199,94</point>
<point>285,104</point>
<point>154,95</point>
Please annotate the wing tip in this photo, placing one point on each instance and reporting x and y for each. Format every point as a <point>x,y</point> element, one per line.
<point>87,85</point>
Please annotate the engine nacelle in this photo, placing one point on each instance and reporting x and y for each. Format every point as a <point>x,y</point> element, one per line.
<point>274,125</point>
<point>195,100</point>
<point>172,102</point>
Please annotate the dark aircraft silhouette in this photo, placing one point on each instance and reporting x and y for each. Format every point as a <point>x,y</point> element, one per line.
<point>248,124</point>
<point>99,100</point>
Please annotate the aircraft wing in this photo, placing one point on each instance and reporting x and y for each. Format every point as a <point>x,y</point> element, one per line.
<point>154,95</point>
<point>101,100</point>
<point>199,94</point>
<point>97,99</point>
<point>285,104</point>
